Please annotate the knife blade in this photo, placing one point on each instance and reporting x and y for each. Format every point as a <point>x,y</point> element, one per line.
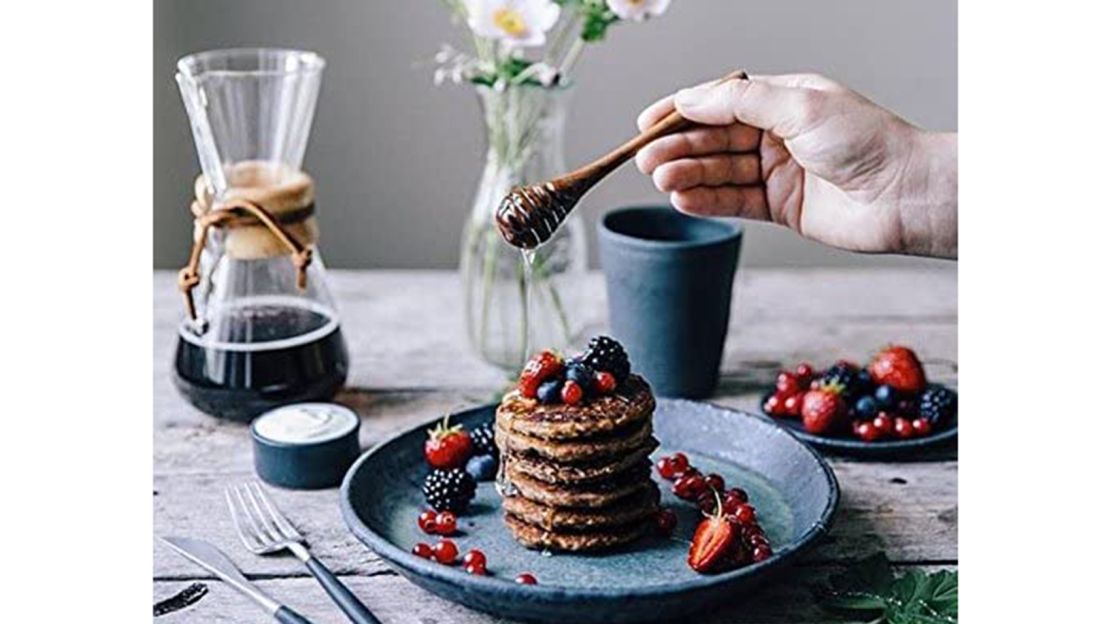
<point>215,561</point>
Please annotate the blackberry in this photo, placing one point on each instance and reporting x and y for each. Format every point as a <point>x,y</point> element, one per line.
<point>482,439</point>
<point>449,490</point>
<point>937,404</point>
<point>841,373</point>
<point>848,376</point>
<point>606,354</point>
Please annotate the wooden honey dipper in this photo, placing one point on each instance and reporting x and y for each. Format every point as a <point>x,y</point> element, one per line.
<point>529,215</point>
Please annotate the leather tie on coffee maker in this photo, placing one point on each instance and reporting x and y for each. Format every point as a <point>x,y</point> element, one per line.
<point>254,231</point>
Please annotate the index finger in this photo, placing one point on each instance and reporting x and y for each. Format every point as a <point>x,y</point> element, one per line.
<point>660,109</point>
<point>656,111</point>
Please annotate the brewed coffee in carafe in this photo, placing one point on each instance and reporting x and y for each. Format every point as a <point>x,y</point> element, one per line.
<point>260,327</point>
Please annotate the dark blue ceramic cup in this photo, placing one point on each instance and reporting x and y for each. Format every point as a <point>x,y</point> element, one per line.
<point>669,278</point>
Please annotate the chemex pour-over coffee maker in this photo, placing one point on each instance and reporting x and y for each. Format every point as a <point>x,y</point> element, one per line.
<point>260,328</point>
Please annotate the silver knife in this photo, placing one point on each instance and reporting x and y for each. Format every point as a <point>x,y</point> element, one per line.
<point>215,561</point>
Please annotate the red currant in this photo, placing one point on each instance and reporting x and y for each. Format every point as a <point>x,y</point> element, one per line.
<point>761,553</point>
<point>774,405</point>
<point>731,505</point>
<point>422,550</point>
<point>605,382</point>
<point>751,532</point>
<point>922,426</point>
<point>903,428</point>
<point>665,522</point>
<point>445,523</point>
<point>698,483</point>
<point>867,431</point>
<point>737,493</point>
<point>787,384</point>
<point>689,472</point>
<point>475,557</point>
<point>707,503</point>
<point>815,384</point>
<point>745,514</point>
<point>804,371</point>
<point>792,406</point>
<point>666,468</point>
<point>445,552</point>
<point>475,569</point>
<point>427,521</point>
<point>572,392</point>
<point>716,481</point>
<point>883,423</point>
<point>688,487</point>
<point>525,578</point>
<point>681,462</point>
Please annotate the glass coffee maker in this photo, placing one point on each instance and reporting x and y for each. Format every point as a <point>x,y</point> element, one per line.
<point>260,328</point>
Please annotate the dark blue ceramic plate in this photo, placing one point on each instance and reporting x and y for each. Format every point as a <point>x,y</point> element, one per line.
<point>880,449</point>
<point>792,487</point>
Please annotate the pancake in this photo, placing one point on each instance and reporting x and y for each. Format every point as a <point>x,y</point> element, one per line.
<point>591,495</point>
<point>639,506</point>
<point>613,445</point>
<point>632,403</point>
<point>570,473</point>
<point>535,537</point>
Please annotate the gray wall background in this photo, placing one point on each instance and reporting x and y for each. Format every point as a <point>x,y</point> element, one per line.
<point>397,159</point>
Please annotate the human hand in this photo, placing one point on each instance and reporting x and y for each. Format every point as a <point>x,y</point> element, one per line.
<point>802,151</point>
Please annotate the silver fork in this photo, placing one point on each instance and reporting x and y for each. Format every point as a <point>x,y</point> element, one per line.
<point>264,530</point>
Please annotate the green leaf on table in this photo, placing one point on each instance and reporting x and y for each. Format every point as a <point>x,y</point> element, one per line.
<point>915,597</point>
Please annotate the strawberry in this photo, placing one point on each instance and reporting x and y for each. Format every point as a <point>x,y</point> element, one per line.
<point>447,447</point>
<point>899,368</point>
<point>714,544</point>
<point>822,410</point>
<point>543,365</point>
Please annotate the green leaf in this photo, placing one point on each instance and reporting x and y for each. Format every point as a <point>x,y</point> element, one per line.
<point>596,20</point>
<point>912,598</point>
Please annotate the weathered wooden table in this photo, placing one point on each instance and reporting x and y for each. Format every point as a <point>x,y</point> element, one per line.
<point>410,363</point>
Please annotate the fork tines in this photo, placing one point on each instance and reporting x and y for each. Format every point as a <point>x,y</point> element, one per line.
<point>261,527</point>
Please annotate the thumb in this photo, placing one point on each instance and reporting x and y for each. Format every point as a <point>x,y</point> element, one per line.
<point>785,111</point>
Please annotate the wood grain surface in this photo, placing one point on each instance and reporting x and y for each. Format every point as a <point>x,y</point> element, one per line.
<point>410,363</point>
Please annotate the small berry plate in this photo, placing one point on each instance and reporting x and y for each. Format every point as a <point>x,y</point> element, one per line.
<point>792,487</point>
<point>851,446</point>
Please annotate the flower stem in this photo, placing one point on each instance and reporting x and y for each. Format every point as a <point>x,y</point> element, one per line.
<point>571,58</point>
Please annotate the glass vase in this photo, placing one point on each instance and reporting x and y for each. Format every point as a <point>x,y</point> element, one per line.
<point>524,130</point>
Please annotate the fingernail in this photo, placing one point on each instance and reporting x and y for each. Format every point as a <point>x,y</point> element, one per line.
<point>688,98</point>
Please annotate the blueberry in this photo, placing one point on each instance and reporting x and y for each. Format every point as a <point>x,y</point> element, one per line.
<point>886,396</point>
<point>867,407</point>
<point>580,373</point>
<point>482,467</point>
<point>550,391</point>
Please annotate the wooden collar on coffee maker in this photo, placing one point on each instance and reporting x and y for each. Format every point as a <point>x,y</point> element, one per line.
<point>239,213</point>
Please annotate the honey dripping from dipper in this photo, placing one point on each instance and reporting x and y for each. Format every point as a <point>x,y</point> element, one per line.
<point>529,215</point>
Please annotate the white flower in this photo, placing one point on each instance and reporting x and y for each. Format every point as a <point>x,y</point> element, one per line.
<point>518,23</point>
<point>638,10</point>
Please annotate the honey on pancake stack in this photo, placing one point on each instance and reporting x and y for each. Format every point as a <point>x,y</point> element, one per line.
<point>575,472</point>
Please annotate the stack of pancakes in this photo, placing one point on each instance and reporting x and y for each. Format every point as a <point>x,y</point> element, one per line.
<point>578,477</point>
